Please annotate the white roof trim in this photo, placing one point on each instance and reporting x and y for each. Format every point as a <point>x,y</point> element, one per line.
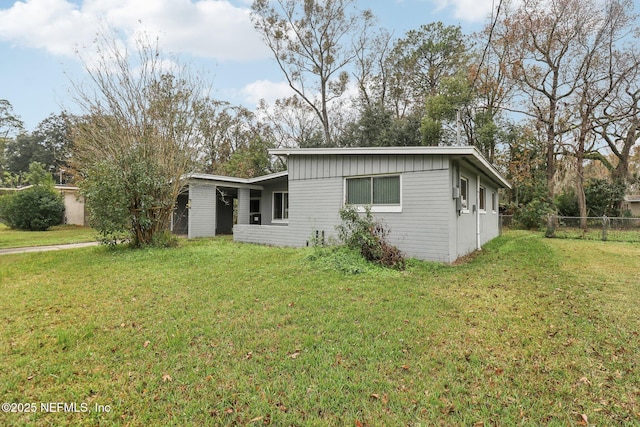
<point>236,180</point>
<point>269,176</point>
<point>210,177</point>
<point>465,151</point>
<point>374,150</point>
<point>56,187</point>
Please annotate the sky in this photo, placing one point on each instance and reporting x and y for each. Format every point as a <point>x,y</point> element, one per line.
<point>39,40</point>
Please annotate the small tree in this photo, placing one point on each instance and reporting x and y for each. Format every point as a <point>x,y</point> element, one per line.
<point>534,214</point>
<point>136,140</point>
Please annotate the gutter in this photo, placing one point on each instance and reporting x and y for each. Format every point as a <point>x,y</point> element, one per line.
<point>478,246</point>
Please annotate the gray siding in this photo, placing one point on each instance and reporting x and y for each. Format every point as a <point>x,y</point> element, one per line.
<point>490,219</point>
<point>262,234</point>
<point>466,223</point>
<point>314,205</point>
<point>202,214</point>
<point>266,202</point>
<point>421,230</point>
<point>428,226</point>
<point>244,198</point>
<point>331,166</point>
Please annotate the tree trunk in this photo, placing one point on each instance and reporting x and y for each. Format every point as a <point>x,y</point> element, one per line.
<point>580,153</point>
<point>582,200</point>
<point>551,142</point>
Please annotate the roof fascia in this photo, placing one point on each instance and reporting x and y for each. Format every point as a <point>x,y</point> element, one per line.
<point>466,151</point>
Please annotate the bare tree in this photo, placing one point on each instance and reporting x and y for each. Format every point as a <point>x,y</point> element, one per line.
<point>489,72</point>
<point>313,42</point>
<point>618,123</point>
<point>136,139</point>
<point>292,122</point>
<point>604,71</point>
<point>371,70</point>
<point>547,57</point>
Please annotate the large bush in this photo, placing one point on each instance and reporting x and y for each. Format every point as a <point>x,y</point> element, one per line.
<point>106,203</point>
<point>363,233</point>
<point>36,208</point>
<point>604,197</point>
<point>567,203</point>
<point>123,205</point>
<point>534,214</point>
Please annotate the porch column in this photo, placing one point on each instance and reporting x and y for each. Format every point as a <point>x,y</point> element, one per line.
<point>244,198</point>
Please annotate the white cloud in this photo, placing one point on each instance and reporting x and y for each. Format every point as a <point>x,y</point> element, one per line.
<point>206,28</point>
<point>53,25</point>
<point>267,90</point>
<point>468,10</point>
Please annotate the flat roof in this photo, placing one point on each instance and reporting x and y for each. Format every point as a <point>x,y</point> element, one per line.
<point>469,153</point>
<point>235,179</point>
<point>56,186</point>
<point>240,182</point>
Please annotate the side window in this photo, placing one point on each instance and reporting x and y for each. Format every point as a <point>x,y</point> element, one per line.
<point>373,190</point>
<point>359,191</point>
<point>464,193</point>
<point>482,202</point>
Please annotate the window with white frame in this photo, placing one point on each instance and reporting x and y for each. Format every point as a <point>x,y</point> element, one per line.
<point>482,203</point>
<point>377,191</point>
<point>281,206</point>
<point>464,194</point>
<point>493,202</point>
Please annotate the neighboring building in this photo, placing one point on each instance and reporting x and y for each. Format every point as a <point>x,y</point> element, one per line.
<point>632,204</point>
<point>439,203</point>
<point>74,208</point>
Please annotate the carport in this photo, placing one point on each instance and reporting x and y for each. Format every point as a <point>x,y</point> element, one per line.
<point>211,205</point>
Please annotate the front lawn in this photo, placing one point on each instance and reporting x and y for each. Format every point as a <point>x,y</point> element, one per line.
<point>57,235</point>
<point>532,331</point>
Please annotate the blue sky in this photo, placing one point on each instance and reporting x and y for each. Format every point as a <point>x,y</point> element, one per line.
<point>38,38</point>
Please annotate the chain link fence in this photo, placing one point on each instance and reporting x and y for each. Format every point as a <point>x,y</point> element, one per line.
<point>589,228</point>
<point>594,228</point>
<point>505,221</point>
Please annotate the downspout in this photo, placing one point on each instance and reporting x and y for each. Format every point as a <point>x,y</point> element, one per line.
<point>478,246</point>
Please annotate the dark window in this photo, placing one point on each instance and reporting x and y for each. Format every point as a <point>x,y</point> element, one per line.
<point>464,193</point>
<point>254,206</point>
<point>281,205</point>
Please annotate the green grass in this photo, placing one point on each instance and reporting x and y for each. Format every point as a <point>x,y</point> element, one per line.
<point>612,235</point>
<point>55,236</point>
<point>532,331</point>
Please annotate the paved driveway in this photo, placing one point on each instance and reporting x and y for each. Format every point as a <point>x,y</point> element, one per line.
<point>46,248</point>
